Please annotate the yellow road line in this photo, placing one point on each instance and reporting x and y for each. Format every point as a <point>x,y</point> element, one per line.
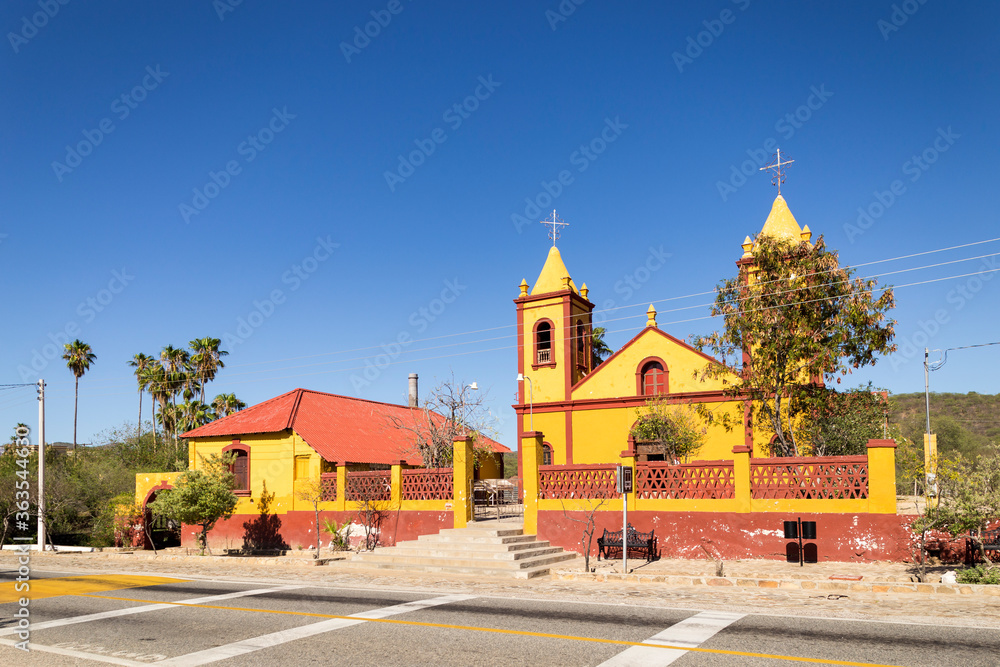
<point>37,589</point>
<point>521,633</point>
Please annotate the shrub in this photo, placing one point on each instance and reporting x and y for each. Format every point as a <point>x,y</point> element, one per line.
<point>979,574</point>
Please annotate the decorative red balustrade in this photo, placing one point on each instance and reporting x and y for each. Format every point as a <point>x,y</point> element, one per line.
<point>576,481</point>
<point>428,484</point>
<point>698,480</point>
<point>821,477</point>
<point>369,485</point>
<point>328,486</point>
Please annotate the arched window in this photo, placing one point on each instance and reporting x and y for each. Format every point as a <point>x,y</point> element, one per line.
<point>581,343</point>
<point>240,467</point>
<point>546,454</point>
<point>543,343</point>
<point>654,379</point>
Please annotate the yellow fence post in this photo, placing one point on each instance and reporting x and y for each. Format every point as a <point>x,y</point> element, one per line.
<point>882,476</point>
<point>741,478</point>
<point>462,481</point>
<point>531,458</point>
<point>396,480</point>
<point>340,503</point>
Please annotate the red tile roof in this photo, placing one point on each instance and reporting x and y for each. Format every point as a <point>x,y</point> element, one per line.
<point>339,428</point>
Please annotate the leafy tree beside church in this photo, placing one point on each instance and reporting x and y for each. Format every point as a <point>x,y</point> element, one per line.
<point>794,319</point>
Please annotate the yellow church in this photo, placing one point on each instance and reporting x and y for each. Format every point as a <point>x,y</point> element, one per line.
<point>586,414</point>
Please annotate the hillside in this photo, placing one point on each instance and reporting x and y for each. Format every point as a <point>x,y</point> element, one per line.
<point>963,422</point>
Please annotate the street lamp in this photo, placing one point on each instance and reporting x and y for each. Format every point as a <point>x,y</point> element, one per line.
<point>521,377</point>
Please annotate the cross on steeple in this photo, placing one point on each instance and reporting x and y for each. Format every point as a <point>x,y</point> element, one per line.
<point>778,177</point>
<point>555,222</point>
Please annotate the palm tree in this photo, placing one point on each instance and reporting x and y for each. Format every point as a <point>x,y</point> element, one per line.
<point>207,360</point>
<point>227,404</point>
<point>78,358</point>
<point>194,413</point>
<point>155,379</point>
<point>140,362</point>
<point>175,362</point>
<point>599,349</point>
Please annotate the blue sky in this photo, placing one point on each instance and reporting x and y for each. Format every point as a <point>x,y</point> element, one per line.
<point>171,168</point>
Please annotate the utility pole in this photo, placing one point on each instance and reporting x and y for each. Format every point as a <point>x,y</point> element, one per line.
<point>41,465</point>
<point>930,440</point>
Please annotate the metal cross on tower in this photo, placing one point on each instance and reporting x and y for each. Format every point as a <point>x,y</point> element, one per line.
<point>778,177</point>
<point>556,222</point>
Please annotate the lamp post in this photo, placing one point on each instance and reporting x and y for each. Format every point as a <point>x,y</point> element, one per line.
<point>521,377</point>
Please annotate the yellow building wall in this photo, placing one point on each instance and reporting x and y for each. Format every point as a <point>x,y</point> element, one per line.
<point>616,376</point>
<point>547,384</point>
<point>273,460</point>
<point>145,481</point>
<point>600,436</point>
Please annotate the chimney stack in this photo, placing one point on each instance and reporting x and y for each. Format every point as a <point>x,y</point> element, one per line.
<point>414,402</point>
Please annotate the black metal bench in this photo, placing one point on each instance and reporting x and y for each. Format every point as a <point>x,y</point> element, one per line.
<point>991,543</point>
<point>612,539</point>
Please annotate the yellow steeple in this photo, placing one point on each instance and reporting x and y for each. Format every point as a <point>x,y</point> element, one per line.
<point>781,224</point>
<point>553,272</point>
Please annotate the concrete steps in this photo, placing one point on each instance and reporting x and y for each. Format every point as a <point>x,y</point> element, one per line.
<point>490,549</point>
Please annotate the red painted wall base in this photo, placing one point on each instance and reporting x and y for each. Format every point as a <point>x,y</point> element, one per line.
<point>298,529</point>
<point>840,537</point>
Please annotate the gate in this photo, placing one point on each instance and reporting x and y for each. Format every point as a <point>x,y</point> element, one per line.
<point>497,498</point>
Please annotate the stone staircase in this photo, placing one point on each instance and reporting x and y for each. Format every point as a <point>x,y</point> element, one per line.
<point>489,548</point>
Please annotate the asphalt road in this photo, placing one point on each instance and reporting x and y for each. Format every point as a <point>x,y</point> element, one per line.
<point>132,619</point>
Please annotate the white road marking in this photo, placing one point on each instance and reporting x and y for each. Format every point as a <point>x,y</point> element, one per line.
<point>284,636</point>
<point>690,633</point>
<point>139,610</point>
<point>80,655</point>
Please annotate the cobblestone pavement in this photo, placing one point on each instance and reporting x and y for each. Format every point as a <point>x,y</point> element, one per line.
<point>937,609</point>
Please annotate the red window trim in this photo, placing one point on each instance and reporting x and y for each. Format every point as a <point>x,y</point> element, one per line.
<point>244,450</point>
<point>535,365</point>
<point>639,376</point>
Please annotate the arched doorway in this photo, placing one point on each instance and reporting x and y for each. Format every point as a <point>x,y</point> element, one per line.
<point>163,532</point>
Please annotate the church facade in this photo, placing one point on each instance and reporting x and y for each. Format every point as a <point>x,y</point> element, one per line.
<point>587,413</point>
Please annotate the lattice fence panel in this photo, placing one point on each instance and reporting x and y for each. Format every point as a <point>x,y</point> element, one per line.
<point>827,477</point>
<point>369,485</point>
<point>328,486</point>
<point>699,480</point>
<point>429,484</point>
<point>576,481</point>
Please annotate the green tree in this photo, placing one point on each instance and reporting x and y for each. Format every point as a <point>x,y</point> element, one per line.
<point>206,360</point>
<point>670,430</point>
<point>78,358</point>
<point>226,404</point>
<point>841,423</point>
<point>141,363</point>
<point>599,350</point>
<point>200,497</point>
<point>791,316</point>
<point>175,362</point>
<point>194,413</point>
<point>155,378</point>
